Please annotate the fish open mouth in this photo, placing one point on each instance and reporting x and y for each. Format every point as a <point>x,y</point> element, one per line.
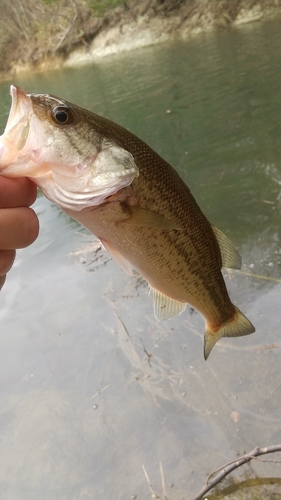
<point>18,118</point>
<point>16,132</point>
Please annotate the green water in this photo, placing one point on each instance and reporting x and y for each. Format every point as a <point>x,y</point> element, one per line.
<point>82,407</point>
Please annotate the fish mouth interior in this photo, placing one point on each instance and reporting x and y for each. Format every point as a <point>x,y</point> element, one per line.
<point>17,124</point>
<point>14,155</point>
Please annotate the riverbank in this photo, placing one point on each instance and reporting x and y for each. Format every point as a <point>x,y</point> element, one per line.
<point>145,24</point>
<point>68,33</point>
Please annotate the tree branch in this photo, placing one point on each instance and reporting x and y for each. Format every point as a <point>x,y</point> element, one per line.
<point>219,474</point>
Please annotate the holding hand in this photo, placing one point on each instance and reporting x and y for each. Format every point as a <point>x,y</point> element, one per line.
<point>19,224</point>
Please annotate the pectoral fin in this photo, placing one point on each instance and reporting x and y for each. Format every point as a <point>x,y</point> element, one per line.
<point>229,255</point>
<point>143,217</point>
<point>165,307</point>
<point>118,257</point>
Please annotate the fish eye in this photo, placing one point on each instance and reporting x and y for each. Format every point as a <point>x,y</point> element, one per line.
<point>62,115</point>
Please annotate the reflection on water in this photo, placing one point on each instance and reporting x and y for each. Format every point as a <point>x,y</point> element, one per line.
<point>94,393</point>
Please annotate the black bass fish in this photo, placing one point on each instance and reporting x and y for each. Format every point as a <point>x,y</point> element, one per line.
<point>131,199</point>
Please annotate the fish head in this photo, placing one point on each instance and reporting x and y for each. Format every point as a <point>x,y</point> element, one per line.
<point>61,148</point>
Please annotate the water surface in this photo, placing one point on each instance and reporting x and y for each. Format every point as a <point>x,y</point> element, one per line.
<point>95,395</point>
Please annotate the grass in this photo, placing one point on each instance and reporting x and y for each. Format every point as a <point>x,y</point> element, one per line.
<point>101,6</point>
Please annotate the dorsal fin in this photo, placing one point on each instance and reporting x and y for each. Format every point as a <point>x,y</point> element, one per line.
<point>229,255</point>
<point>165,307</point>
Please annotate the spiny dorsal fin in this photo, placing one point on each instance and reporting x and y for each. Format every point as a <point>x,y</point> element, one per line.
<point>229,255</point>
<point>165,307</point>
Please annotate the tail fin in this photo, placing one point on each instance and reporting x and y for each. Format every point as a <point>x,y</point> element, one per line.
<point>238,326</point>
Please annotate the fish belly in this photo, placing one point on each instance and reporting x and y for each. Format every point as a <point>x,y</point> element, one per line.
<point>167,259</point>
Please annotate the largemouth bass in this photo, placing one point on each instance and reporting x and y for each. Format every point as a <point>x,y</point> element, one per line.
<point>132,200</point>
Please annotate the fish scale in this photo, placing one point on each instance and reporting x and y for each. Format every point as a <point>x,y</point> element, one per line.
<point>122,191</point>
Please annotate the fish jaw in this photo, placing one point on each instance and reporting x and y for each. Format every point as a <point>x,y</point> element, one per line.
<point>74,165</point>
<point>13,160</point>
<point>77,192</point>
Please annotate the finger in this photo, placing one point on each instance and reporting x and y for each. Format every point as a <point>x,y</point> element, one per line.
<point>2,281</point>
<point>7,258</point>
<point>19,227</point>
<point>20,192</point>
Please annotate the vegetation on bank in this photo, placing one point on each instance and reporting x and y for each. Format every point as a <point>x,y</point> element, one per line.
<point>99,7</point>
<point>34,31</point>
<point>31,30</point>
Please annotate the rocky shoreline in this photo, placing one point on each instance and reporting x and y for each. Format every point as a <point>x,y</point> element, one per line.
<point>139,23</point>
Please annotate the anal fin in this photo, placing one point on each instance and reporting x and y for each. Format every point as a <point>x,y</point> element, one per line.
<point>165,307</point>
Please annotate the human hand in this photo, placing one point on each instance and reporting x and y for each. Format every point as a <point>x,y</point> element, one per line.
<point>19,225</point>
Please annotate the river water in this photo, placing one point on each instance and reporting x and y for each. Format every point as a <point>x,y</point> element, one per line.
<point>97,399</point>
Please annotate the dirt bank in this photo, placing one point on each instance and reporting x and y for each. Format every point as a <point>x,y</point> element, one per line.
<point>146,22</point>
<point>67,32</point>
